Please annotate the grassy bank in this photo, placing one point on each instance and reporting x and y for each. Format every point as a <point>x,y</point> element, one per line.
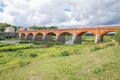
<point>61,62</point>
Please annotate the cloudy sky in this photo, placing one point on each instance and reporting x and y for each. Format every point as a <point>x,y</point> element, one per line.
<point>62,13</point>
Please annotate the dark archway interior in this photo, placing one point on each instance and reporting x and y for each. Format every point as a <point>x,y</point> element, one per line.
<point>29,36</point>
<point>51,37</point>
<point>38,37</point>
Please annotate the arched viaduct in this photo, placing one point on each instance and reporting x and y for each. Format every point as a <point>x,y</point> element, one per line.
<point>46,35</point>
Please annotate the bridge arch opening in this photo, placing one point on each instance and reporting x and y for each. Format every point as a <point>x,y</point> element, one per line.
<point>22,36</point>
<point>38,37</point>
<point>66,37</point>
<point>87,37</point>
<point>29,36</point>
<point>108,36</point>
<point>50,36</point>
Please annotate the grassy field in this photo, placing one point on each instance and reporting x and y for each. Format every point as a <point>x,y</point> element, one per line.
<point>59,62</point>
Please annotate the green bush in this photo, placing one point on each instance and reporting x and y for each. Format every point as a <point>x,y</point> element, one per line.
<point>99,70</point>
<point>23,63</point>
<point>33,55</point>
<point>64,53</point>
<point>4,44</point>
<point>76,52</point>
<point>109,44</point>
<point>3,61</point>
<point>2,38</point>
<point>95,48</point>
<point>40,42</point>
<point>14,47</point>
<point>117,36</point>
<point>20,53</point>
<point>1,56</point>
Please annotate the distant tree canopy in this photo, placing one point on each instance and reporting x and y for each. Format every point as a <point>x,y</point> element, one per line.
<point>42,27</point>
<point>4,25</point>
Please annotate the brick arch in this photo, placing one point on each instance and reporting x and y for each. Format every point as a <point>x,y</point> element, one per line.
<point>35,33</point>
<point>82,32</point>
<point>62,37</point>
<point>29,36</point>
<point>38,34</point>
<point>22,35</point>
<point>62,33</point>
<point>30,33</point>
<point>51,33</point>
<point>105,32</point>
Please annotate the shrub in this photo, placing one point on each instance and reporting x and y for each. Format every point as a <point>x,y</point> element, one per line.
<point>117,36</point>
<point>76,52</point>
<point>15,47</point>
<point>109,44</point>
<point>23,63</point>
<point>41,42</point>
<point>2,61</point>
<point>4,44</point>
<point>64,53</point>
<point>20,53</point>
<point>99,70</point>
<point>2,38</point>
<point>95,48</point>
<point>33,55</point>
<point>1,56</point>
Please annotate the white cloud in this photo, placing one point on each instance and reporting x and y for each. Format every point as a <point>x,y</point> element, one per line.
<point>52,12</point>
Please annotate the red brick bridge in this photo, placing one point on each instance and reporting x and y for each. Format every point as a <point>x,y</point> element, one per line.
<point>46,35</point>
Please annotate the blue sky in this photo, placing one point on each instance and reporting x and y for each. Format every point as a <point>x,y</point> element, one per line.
<point>2,5</point>
<point>1,10</point>
<point>67,9</point>
<point>70,13</point>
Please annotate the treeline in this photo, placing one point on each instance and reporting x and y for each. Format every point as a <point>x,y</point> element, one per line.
<point>4,25</point>
<point>42,27</point>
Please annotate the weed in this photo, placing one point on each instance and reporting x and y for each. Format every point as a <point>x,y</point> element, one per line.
<point>95,48</point>
<point>99,70</point>
<point>109,44</point>
<point>1,56</point>
<point>33,55</point>
<point>76,52</point>
<point>64,53</point>
<point>23,63</point>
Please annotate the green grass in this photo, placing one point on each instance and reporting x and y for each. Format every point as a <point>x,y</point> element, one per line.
<point>61,62</point>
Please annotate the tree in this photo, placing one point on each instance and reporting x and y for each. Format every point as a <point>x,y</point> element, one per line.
<point>15,27</point>
<point>52,27</point>
<point>3,26</point>
<point>35,28</point>
<point>117,36</point>
<point>42,27</point>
